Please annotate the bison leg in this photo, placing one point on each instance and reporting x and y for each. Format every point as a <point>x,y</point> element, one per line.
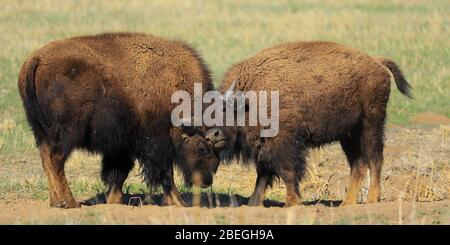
<point>373,154</point>
<point>171,194</point>
<point>157,167</point>
<point>352,149</point>
<point>291,181</point>
<point>375,180</point>
<point>46,161</point>
<point>114,173</point>
<point>53,162</point>
<point>257,198</point>
<point>289,160</point>
<point>357,173</point>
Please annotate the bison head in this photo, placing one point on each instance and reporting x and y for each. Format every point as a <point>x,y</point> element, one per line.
<point>223,138</point>
<point>196,158</point>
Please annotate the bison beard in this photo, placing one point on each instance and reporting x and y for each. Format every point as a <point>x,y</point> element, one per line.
<point>110,94</point>
<point>328,93</point>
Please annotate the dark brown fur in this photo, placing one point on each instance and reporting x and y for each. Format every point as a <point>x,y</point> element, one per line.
<point>110,94</point>
<point>328,93</point>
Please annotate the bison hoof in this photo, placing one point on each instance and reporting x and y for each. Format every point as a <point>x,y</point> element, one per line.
<point>115,199</point>
<point>288,205</point>
<point>292,203</point>
<point>177,202</point>
<point>254,202</point>
<point>372,199</point>
<point>64,204</point>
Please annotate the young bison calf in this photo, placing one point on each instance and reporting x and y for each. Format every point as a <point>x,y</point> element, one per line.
<point>110,94</point>
<point>328,93</point>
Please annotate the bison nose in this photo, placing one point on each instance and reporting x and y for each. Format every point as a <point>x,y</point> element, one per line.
<point>213,135</point>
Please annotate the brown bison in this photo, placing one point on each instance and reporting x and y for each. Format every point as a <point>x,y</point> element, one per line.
<point>110,94</point>
<point>328,93</point>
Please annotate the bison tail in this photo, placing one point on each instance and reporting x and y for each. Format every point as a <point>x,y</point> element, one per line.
<point>402,85</point>
<point>33,110</point>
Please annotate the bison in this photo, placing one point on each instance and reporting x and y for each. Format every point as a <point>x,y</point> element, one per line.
<point>110,94</point>
<point>328,92</point>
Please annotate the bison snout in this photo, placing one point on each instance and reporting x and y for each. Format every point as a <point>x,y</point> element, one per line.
<point>216,137</point>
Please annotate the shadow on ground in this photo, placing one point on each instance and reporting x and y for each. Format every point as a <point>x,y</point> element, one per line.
<point>206,200</point>
<point>327,203</point>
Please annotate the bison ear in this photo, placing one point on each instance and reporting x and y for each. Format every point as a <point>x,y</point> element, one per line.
<point>184,137</point>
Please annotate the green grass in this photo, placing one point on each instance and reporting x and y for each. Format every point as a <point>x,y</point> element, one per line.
<point>414,33</point>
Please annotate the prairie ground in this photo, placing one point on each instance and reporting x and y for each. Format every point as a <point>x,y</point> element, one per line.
<point>416,189</point>
<point>416,175</point>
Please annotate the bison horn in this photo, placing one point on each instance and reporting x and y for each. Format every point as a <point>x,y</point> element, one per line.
<point>184,137</point>
<point>233,85</point>
<point>229,91</point>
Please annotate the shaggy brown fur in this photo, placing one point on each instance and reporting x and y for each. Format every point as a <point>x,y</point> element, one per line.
<point>328,93</point>
<point>110,94</point>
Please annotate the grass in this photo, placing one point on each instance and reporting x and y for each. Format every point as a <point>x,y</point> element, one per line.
<point>414,33</point>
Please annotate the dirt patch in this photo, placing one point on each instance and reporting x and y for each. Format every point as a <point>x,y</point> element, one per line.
<point>38,212</point>
<point>431,119</point>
